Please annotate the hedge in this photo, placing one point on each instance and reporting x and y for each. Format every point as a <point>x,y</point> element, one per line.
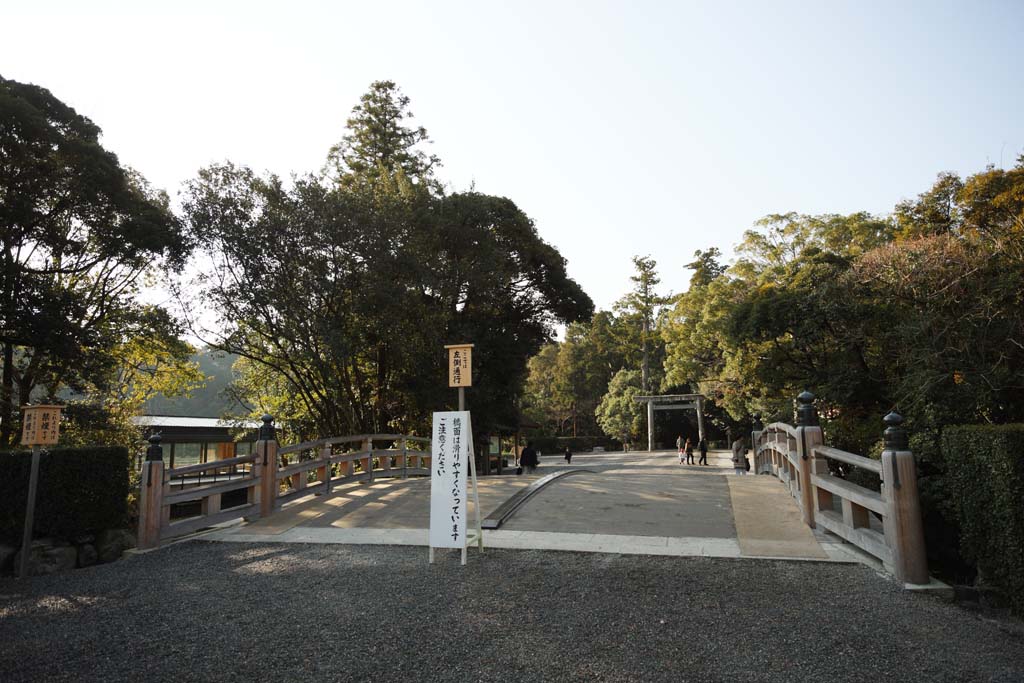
<point>985,478</point>
<point>553,445</point>
<point>81,491</point>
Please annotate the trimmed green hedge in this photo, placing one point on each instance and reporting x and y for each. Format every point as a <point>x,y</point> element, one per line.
<point>985,478</point>
<point>553,445</point>
<point>81,491</point>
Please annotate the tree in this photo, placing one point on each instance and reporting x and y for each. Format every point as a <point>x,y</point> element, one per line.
<point>345,295</point>
<point>620,416</point>
<point>78,233</point>
<point>706,267</point>
<point>378,146</point>
<point>642,305</point>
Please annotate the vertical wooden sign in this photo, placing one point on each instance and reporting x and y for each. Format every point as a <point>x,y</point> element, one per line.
<point>460,365</point>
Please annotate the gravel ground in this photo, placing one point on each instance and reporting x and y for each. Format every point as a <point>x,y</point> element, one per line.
<point>283,612</point>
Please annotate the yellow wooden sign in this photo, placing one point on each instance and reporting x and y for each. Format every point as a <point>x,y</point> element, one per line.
<point>460,365</point>
<point>40,426</point>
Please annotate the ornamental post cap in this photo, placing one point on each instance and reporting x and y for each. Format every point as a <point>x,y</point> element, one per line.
<point>806,415</point>
<point>895,436</point>
<point>155,452</point>
<point>267,430</point>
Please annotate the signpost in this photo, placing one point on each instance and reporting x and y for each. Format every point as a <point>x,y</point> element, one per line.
<point>40,426</point>
<point>451,448</point>
<point>460,369</point>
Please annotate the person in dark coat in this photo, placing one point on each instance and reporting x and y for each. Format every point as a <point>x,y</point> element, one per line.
<point>528,458</point>
<point>568,456</point>
<point>689,452</point>
<point>703,446</point>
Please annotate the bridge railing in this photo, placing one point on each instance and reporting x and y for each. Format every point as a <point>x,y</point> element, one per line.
<point>270,476</point>
<point>320,465</point>
<point>798,456</point>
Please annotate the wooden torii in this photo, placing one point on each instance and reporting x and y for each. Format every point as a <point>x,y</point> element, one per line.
<point>672,402</point>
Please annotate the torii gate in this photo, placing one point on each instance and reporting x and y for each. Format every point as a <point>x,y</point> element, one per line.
<point>672,402</point>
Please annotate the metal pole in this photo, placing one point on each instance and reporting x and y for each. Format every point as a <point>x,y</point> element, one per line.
<point>30,510</point>
<point>462,398</point>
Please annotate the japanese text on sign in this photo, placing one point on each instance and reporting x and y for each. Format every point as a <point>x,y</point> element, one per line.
<point>40,425</point>
<point>460,365</point>
<point>448,480</point>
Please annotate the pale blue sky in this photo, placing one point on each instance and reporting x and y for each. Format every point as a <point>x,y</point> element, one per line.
<point>621,128</point>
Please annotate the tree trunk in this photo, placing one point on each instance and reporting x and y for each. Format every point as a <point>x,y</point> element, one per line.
<point>7,396</point>
<point>643,367</point>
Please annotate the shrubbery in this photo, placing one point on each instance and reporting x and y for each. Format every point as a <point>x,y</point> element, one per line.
<point>985,479</point>
<point>81,491</point>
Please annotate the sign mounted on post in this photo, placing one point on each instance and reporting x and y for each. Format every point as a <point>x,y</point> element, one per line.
<point>460,365</point>
<point>452,481</point>
<point>40,425</point>
<point>448,480</point>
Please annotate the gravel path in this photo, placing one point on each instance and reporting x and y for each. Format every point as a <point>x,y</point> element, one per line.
<point>276,612</point>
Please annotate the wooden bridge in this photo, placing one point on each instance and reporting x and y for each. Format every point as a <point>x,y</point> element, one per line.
<point>884,523</point>
<point>265,479</point>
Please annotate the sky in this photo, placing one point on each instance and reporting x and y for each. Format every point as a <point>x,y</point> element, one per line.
<point>620,128</point>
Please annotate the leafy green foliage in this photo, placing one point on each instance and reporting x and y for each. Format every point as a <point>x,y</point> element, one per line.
<point>78,233</point>
<point>339,298</point>
<point>81,491</point>
<point>985,477</point>
<point>378,147</point>
<point>619,414</point>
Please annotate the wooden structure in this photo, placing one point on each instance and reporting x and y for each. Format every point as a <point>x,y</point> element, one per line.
<point>798,456</point>
<point>672,402</point>
<point>270,476</point>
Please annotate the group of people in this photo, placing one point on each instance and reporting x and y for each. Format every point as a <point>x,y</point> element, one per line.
<point>686,448</point>
<point>740,462</point>
<point>529,459</point>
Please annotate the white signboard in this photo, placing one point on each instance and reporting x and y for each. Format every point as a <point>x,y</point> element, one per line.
<point>448,490</point>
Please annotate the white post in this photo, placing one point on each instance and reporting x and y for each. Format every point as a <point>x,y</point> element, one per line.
<point>650,425</point>
<point>700,418</point>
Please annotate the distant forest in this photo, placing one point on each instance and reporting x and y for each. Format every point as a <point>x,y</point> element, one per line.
<point>211,400</point>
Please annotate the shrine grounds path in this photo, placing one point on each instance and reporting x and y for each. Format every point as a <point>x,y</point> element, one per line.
<point>212,611</point>
<point>633,503</point>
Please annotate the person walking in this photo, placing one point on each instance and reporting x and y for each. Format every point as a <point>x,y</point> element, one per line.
<point>739,461</point>
<point>703,447</point>
<point>568,456</point>
<point>689,452</point>
<point>528,459</point>
<point>679,447</point>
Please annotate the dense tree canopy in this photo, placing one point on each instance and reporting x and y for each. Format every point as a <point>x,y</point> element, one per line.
<point>78,234</point>
<point>341,295</point>
<point>920,311</point>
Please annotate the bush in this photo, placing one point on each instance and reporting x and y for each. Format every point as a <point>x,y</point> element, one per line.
<point>553,445</point>
<point>81,491</point>
<point>985,478</point>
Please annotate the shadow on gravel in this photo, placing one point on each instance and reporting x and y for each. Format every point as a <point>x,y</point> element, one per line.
<point>220,611</point>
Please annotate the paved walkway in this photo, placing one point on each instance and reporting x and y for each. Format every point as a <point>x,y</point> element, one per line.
<point>635,503</point>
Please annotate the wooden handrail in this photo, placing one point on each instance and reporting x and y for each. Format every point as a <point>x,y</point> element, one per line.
<point>330,441</point>
<point>849,458</point>
<point>781,427</point>
<point>212,465</point>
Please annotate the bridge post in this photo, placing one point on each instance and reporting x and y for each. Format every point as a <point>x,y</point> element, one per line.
<point>904,531</point>
<point>368,460</point>
<point>755,436</point>
<point>151,495</point>
<point>265,466</point>
<point>808,436</point>
<point>324,473</point>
